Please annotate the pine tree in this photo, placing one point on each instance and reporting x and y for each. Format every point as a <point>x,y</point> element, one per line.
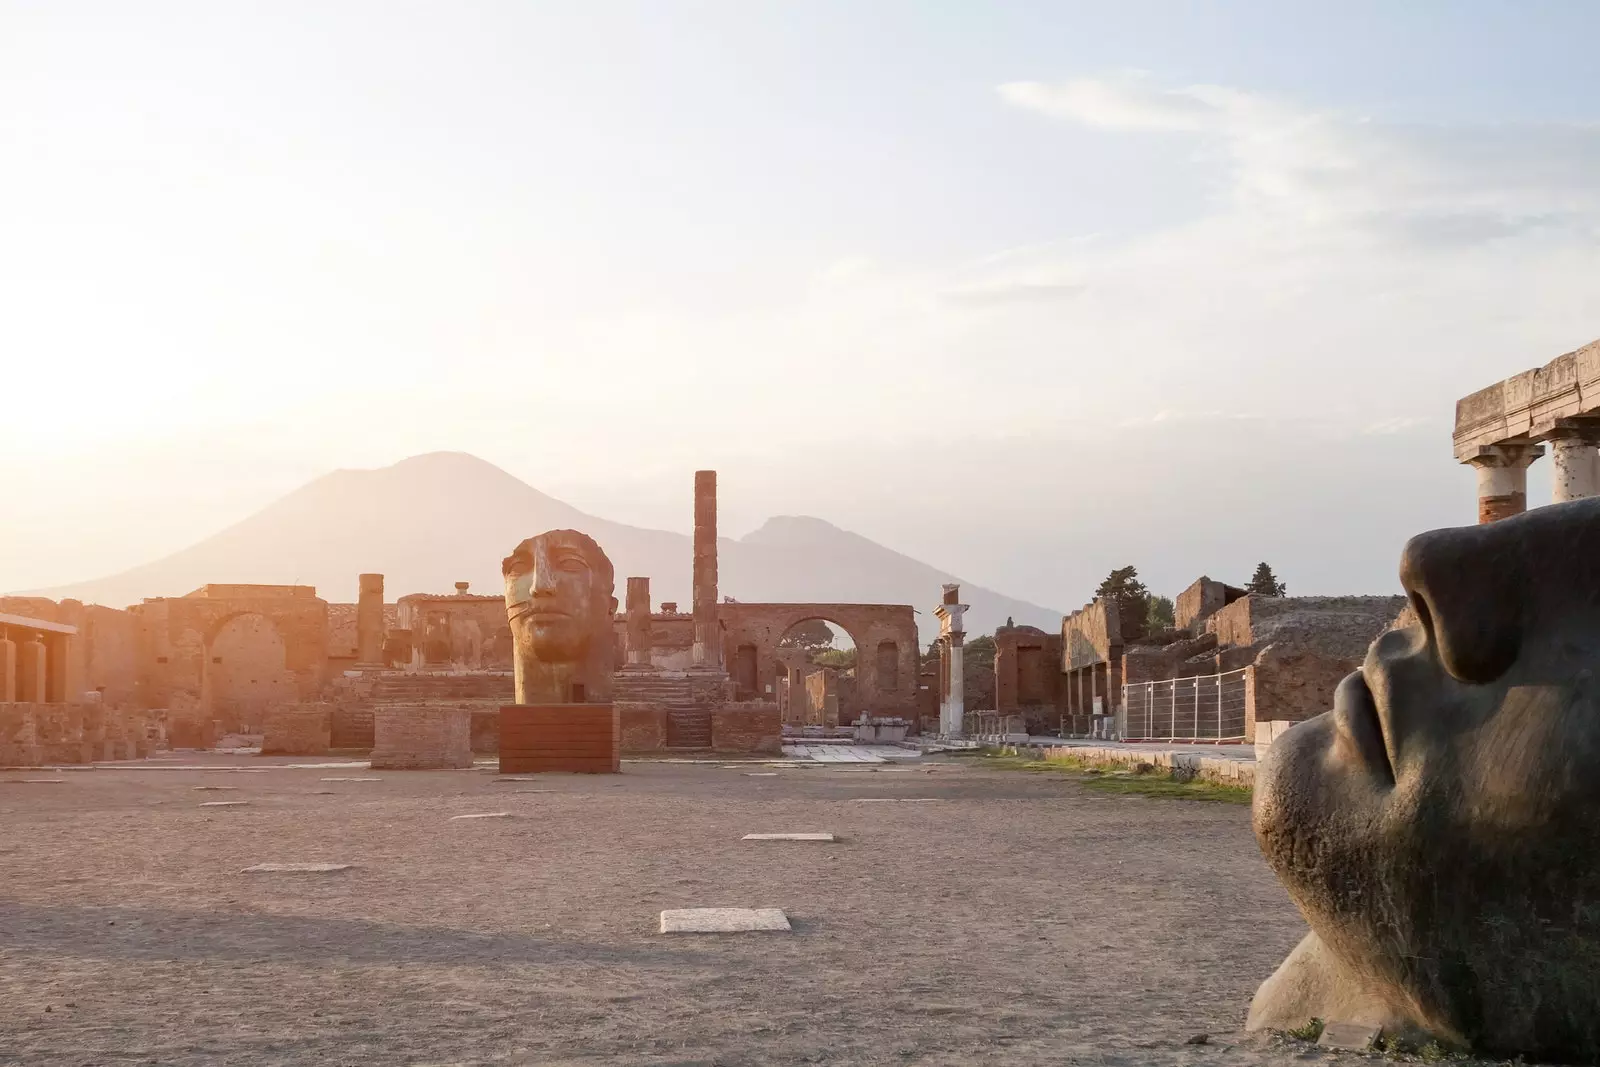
<point>1133,600</point>
<point>1265,583</point>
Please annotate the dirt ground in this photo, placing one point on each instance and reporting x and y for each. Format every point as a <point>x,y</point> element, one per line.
<point>1019,918</point>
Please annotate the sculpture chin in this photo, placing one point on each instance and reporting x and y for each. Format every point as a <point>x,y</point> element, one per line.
<point>1312,984</point>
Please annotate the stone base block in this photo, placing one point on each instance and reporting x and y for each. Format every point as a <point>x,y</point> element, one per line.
<point>410,738</point>
<point>485,731</point>
<point>298,730</point>
<point>643,726</point>
<point>751,727</point>
<point>583,738</point>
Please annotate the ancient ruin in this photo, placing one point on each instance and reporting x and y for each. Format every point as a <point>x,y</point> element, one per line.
<point>1502,429</point>
<point>1437,828</point>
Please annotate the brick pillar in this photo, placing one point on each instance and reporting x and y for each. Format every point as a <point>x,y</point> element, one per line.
<point>1577,466</point>
<point>369,621</point>
<point>1503,479</point>
<point>707,632</point>
<point>31,671</point>
<point>639,638</point>
<point>8,670</point>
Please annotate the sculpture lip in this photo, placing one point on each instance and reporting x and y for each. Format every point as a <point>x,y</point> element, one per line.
<point>535,612</point>
<point>1359,721</point>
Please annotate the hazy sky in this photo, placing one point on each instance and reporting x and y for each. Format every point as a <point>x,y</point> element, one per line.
<point>1028,291</point>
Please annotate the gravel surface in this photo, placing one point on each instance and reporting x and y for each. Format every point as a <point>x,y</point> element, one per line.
<point>1015,918</point>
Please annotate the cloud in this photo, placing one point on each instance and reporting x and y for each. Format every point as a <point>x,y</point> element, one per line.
<point>1292,165</point>
<point>1004,294</point>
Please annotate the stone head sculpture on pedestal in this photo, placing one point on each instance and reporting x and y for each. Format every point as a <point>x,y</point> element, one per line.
<point>1440,827</point>
<point>560,606</point>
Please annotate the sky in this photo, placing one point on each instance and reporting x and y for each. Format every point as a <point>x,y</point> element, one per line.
<point>1026,290</point>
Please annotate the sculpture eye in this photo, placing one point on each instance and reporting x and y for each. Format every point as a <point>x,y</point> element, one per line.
<point>572,563</point>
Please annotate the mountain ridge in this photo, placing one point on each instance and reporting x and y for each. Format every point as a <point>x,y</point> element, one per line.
<point>428,521</point>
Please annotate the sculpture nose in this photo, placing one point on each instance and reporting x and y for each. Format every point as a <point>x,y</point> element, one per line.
<point>1471,588</point>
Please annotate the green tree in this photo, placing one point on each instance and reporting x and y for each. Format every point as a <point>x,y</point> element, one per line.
<point>813,635</point>
<point>1159,616</point>
<point>1265,583</point>
<point>1132,598</point>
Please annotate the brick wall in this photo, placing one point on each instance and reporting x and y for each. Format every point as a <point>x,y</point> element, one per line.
<point>643,727</point>
<point>421,738</point>
<point>33,735</point>
<point>352,725</point>
<point>297,730</point>
<point>575,738</point>
<point>1292,685</point>
<point>754,726</point>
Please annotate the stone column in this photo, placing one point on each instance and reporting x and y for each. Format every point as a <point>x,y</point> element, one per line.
<point>369,621</point>
<point>1577,464</point>
<point>639,638</point>
<point>31,671</point>
<point>1503,478</point>
<point>8,670</point>
<point>57,689</point>
<point>952,632</point>
<point>707,633</point>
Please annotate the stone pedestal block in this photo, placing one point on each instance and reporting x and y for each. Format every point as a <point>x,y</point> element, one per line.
<point>298,730</point>
<point>584,738</point>
<point>643,726</point>
<point>752,727</point>
<point>421,738</point>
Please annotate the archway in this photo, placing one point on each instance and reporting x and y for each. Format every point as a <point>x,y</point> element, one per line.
<point>246,672</point>
<point>814,666</point>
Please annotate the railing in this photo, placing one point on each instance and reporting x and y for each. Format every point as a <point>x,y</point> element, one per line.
<point>1206,708</point>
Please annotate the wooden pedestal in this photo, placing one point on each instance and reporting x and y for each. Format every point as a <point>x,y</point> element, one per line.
<point>582,738</point>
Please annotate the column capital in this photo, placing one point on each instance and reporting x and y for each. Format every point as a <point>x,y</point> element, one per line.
<point>1583,431</point>
<point>1506,454</point>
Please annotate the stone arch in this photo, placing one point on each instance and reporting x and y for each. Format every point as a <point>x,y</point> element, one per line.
<point>869,627</point>
<point>245,670</point>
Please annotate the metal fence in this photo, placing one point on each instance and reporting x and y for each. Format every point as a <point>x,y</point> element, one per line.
<point>1206,708</point>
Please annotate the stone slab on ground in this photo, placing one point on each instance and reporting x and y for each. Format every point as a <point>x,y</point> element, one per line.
<point>789,837</point>
<point>216,789</point>
<point>893,800</point>
<point>724,920</point>
<point>224,803</point>
<point>761,774</point>
<point>350,779</point>
<point>1358,1036</point>
<point>483,815</point>
<point>296,868</point>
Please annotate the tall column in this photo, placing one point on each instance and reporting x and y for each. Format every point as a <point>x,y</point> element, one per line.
<point>639,638</point>
<point>1503,478</point>
<point>57,690</point>
<point>31,670</point>
<point>8,670</point>
<point>707,634</point>
<point>952,632</point>
<point>369,621</point>
<point>1576,462</point>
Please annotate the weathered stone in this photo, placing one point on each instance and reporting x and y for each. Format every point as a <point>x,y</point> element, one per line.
<point>1357,1036</point>
<point>482,815</point>
<point>297,730</point>
<point>421,738</point>
<point>789,837</point>
<point>297,868</point>
<point>723,920</point>
<point>1436,828</point>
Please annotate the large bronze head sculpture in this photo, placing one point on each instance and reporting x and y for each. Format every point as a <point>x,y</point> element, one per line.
<point>560,605</point>
<point>1440,828</point>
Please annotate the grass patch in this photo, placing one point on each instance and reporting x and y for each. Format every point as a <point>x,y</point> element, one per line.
<point>1142,780</point>
<point>1309,1032</point>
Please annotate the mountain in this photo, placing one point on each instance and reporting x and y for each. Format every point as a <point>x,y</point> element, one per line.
<point>430,521</point>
